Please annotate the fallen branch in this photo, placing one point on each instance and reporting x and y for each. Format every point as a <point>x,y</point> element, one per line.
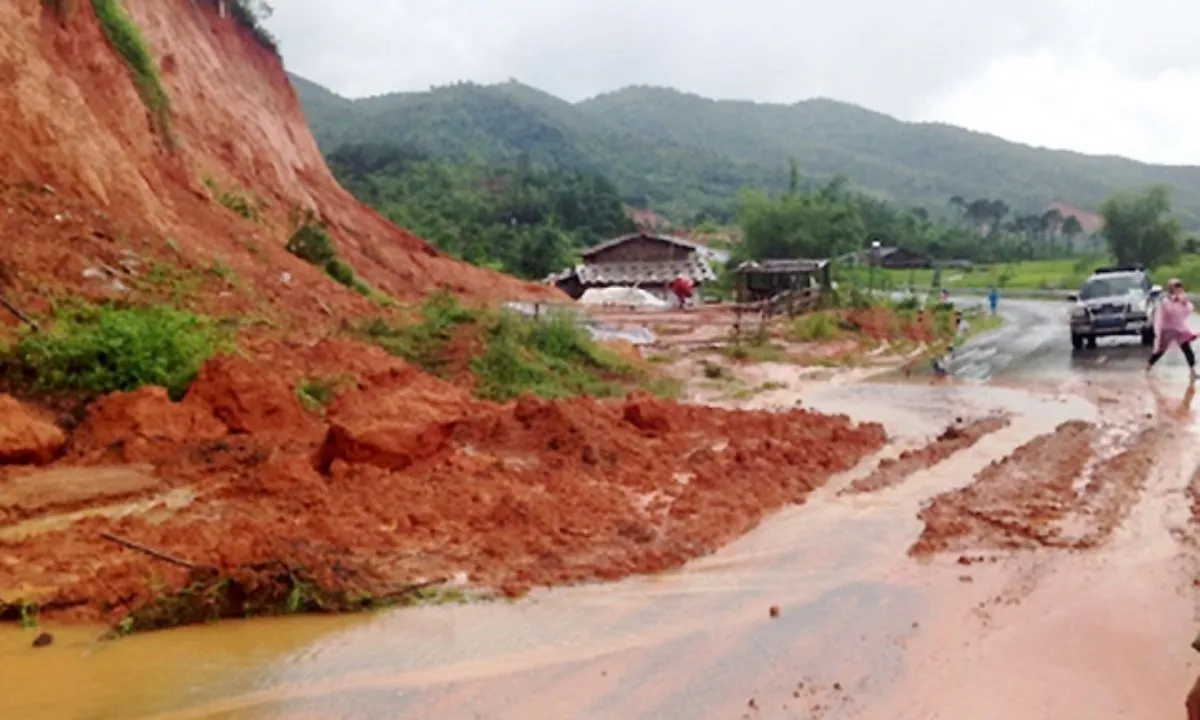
<point>410,589</point>
<point>20,314</point>
<point>149,551</point>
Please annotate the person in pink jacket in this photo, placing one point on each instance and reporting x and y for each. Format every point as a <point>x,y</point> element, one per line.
<point>1171,328</point>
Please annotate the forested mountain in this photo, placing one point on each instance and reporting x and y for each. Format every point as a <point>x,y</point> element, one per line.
<point>682,154</point>
<point>525,219</point>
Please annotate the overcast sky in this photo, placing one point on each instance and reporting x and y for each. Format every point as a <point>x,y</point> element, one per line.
<point>1099,76</point>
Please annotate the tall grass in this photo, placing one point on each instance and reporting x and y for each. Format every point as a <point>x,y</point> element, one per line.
<point>127,40</point>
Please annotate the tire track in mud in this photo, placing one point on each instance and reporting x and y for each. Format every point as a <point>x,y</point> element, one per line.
<point>956,437</point>
<point>1055,491</point>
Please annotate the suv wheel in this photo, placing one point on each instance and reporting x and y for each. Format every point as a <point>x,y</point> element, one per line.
<point>1147,337</point>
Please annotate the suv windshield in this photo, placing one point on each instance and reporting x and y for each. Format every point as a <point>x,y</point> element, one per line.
<point>1110,286</point>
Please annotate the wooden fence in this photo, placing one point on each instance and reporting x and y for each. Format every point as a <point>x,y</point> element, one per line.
<point>789,302</point>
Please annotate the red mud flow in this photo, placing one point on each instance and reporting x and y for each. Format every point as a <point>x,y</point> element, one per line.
<point>1049,493</point>
<point>956,437</point>
<point>409,478</point>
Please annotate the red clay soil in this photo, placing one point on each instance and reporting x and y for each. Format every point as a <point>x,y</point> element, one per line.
<point>883,324</point>
<point>410,478</point>
<point>1049,493</point>
<point>403,477</point>
<point>956,437</point>
<point>86,183</point>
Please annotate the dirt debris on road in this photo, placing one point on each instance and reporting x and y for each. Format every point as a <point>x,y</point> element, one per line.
<point>957,436</point>
<point>405,479</point>
<point>1052,492</point>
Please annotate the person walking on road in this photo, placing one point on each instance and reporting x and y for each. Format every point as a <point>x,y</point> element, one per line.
<point>993,298</point>
<point>1171,328</point>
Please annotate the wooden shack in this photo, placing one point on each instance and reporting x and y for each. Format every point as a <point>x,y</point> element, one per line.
<point>898,258</point>
<point>765,279</point>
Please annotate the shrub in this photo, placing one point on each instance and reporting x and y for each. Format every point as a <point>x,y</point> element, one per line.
<point>815,327</point>
<point>310,242</point>
<point>251,13</point>
<point>552,358</point>
<point>106,349</point>
<point>424,343</point>
<point>127,40</point>
<point>341,272</point>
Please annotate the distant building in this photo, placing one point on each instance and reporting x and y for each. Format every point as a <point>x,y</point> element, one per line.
<point>643,259</point>
<point>898,258</point>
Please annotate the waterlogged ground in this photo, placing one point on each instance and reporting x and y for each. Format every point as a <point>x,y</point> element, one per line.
<point>1026,549</point>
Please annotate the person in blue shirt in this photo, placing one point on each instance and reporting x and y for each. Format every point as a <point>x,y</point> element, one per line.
<point>993,299</point>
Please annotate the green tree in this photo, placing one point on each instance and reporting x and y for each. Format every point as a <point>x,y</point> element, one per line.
<point>1139,228</point>
<point>799,225</point>
<point>523,218</point>
<point>1071,229</point>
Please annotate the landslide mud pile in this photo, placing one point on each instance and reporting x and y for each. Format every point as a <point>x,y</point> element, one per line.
<point>405,479</point>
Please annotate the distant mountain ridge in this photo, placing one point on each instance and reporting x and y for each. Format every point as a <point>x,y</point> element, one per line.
<point>680,153</point>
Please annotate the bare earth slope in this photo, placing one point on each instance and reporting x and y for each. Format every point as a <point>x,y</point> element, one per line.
<point>71,118</point>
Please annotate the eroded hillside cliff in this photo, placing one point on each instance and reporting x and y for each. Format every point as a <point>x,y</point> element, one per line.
<point>198,160</point>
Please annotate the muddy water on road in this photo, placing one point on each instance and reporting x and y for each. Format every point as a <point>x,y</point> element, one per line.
<point>862,630</point>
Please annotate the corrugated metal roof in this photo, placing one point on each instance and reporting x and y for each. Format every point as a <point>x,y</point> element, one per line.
<point>640,273</point>
<point>781,266</point>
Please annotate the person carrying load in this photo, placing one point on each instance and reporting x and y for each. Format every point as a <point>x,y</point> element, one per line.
<point>683,288</point>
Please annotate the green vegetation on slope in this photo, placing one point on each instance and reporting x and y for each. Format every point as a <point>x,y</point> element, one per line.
<point>684,155</point>
<point>102,349</point>
<point>127,40</point>
<point>251,14</point>
<point>550,358</point>
<point>310,241</point>
<point>524,219</point>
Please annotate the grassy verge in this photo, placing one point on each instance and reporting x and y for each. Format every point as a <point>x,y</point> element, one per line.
<point>511,355</point>
<point>1064,273</point>
<point>102,349</point>
<point>125,37</point>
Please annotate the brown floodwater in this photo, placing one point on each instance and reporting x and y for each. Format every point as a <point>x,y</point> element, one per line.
<point>862,630</point>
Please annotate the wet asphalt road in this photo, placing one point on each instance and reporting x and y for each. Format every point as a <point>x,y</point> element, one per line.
<point>1035,343</point>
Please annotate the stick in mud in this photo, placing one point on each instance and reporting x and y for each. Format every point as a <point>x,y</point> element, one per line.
<point>149,551</point>
<point>19,313</point>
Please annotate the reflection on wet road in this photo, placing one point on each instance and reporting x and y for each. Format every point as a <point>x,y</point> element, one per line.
<point>1035,342</point>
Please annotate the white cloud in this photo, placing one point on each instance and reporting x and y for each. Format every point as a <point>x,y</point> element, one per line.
<point>1086,103</point>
